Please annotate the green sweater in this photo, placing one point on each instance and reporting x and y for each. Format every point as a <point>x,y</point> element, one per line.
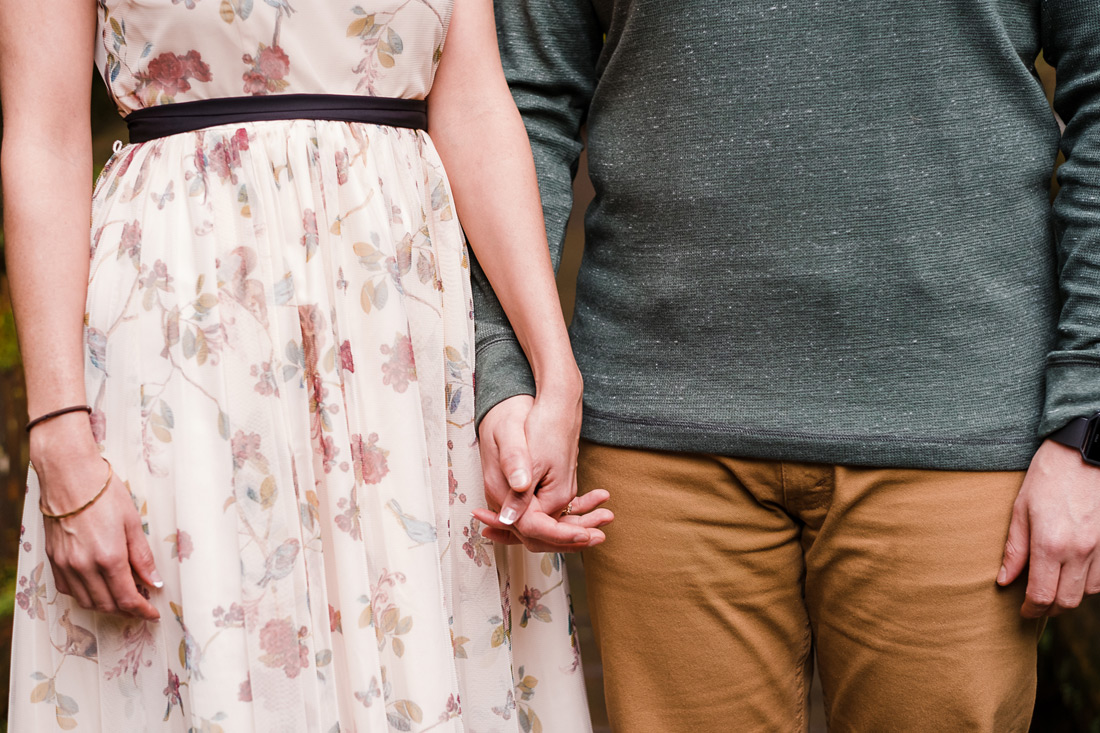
<point>822,230</point>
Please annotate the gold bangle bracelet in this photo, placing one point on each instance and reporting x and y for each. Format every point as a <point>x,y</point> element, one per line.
<point>93,500</point>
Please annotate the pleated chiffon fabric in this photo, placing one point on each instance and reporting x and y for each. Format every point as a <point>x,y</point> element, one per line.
<point>280,362</point>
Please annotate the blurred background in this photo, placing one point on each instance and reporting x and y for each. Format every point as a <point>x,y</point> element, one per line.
<point>1069,660</point>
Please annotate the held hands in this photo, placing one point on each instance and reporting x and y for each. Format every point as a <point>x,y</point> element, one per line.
<point>96,553</point>
<point>529,457</point>
<point>1055,525</point>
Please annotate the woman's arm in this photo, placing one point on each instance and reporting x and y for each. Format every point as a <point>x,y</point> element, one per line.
<point>481,139</point>
<point>46,52</point>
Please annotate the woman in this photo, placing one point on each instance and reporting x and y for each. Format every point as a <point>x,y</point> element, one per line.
<point>255,464</point>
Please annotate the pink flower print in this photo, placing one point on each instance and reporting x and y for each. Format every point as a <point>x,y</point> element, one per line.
<point>233,618</point>
<point>452,484</point>
<point>400,369</point>
<point>245,448</point>
<point>369,458</point>
<point>182,546</point>
<point>244,692</point>
<point>334,622</point>
<point>348,518</point>
<point>342,165</point>
<point>346,362</point>
<point>225,157</point>
<point>531,606</point>
<point>327,450</point>
<point>270,66</point>
<point>157,277</point>
<point>284,646</point>
<point>476,547</point>
<point>172,692</point>
<point>266,384</point>
<point>32,593</point>
<point>273,62</point>
<point>131,241</point>
<point>98,419</point>
<point>309,239</point>
<point>169,72</point>
<point>239,140</point>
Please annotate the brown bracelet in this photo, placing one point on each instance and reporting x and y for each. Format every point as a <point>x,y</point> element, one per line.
<point>93,500</point>
<point>58,413</point>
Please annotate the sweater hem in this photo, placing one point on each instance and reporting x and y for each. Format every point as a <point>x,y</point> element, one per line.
<point>1007,452</point>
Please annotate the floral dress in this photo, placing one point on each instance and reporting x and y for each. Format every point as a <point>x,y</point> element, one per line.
<point>279,357</point>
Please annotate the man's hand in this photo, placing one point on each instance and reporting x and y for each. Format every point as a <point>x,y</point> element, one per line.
<point>530,446</point>
<point>1055,525</point>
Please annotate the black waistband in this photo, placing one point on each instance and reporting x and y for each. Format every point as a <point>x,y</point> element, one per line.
<point>171,119</point>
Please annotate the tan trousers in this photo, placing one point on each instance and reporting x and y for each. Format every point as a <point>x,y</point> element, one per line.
<point>720,575</point>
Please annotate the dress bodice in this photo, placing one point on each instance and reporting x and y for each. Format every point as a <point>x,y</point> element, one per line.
<point>153,52</point>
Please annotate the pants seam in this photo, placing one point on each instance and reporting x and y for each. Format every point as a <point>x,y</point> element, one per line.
<point>800,671</point>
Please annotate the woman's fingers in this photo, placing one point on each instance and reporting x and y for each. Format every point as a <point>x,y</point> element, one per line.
<point>505,456</point>
<point>103,600</point>
<point>61,583</point>
<point>515,505</point>
<point>141,557</point>
<point>501,536</point>
<point>124,592</point>
<point>74,587</point>
<point>537,531</point>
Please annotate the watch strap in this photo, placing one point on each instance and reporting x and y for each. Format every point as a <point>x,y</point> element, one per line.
<point>1073,433</point>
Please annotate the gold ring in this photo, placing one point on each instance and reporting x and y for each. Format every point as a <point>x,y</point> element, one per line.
<point>568,509</point>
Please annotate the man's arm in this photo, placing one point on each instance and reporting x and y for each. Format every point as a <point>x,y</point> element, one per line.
<point>549,52</point>
<point>1056,521</point>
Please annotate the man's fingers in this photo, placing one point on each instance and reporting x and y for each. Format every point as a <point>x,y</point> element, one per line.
<point>585,503</point>
<point>1016,546</point>
<point>1042,586</point>
<point>1071,586</point>
<point>1092,580</point>
<point>590,520</point>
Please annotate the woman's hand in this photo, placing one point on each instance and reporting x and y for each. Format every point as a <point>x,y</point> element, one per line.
<point>96,553</point>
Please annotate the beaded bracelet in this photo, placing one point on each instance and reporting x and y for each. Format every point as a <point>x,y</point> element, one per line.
<point>93,500</point>
<point>58,413</point>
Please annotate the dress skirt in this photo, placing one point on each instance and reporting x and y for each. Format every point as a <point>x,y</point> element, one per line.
<point>280,361</point>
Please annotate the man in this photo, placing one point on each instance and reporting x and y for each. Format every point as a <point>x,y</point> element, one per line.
<point>826,319</point>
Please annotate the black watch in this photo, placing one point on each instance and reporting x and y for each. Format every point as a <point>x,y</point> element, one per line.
<point>1082,433</point>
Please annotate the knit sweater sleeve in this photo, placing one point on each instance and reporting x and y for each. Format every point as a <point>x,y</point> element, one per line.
<point>1071,41</point>
<point>549,50</point>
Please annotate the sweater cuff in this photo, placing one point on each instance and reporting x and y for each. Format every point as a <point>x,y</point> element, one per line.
<point>501,371</point>
<point>1072,391</point>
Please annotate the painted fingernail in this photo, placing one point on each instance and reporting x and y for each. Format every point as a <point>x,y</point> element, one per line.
<point>1002,575</point>
<point>508,515</point>
<point>158,582</point>
<point>519,479</point>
